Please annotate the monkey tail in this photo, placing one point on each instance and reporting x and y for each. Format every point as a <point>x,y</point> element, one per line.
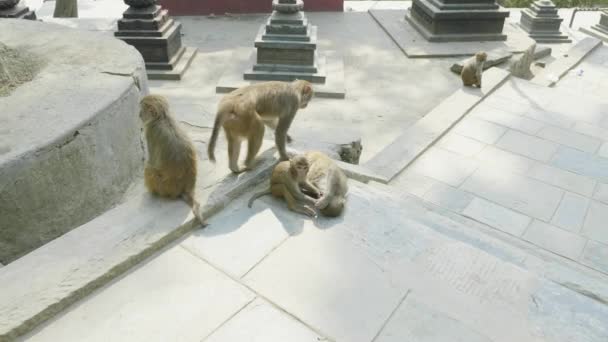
<point>214,134</point>
<point>258,195</point>
<point>195,206</point>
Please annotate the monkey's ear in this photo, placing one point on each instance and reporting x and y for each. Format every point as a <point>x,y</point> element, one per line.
<point>307,89</point>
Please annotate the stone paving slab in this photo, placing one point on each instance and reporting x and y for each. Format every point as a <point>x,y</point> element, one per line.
<point>244,58</point>
<point>418,137</point>
<point>414,45</point>
<point>172,297</point>
<point>556,70</point>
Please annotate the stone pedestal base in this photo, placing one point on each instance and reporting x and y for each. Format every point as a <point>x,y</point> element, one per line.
<point>600,30</point>
<point>158,38</point>
<point>542,23</point>
<point>18,12</point>
<point>445,21</point>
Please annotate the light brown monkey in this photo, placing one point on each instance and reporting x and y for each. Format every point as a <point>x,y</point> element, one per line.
<point>472,69</point>
<point>170,170</point>
<point>286,181</point>
<point>326,176</point>
<point>244,112</point>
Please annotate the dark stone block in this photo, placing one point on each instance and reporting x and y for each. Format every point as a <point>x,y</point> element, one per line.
<point>142,13</point>
<point>143,24</point>
<point>18,12</point>
<point>286,56</point>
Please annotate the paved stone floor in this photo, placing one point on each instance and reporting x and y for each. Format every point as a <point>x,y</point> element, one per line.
<point>524,177</point>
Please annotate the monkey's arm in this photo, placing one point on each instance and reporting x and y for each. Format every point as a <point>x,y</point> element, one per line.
<point>294,189</point>
<point>308,187</point>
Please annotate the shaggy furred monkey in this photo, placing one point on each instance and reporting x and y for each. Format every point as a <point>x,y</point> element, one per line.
<point>325,175</point>
<point>472,70</point>
<point>244,112</point>
<point>170,170</point>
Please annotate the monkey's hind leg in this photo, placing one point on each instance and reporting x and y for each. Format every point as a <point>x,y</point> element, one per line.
<point>195,206</point>
<point>256,137</point>
<point>293,205</point>
<point>234,150</point>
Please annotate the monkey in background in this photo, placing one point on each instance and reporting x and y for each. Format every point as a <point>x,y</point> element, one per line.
<point>244,112</point>
<point>170,170</point>
<point>286,181</point>
<point>326,176</point>
<point>472,69</point>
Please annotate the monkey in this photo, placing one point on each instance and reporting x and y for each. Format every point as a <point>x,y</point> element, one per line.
<point>244,112</point>
<point>326,176</point>
<point>286,181</point>
<point>472,69</point>
<point>170,170</point>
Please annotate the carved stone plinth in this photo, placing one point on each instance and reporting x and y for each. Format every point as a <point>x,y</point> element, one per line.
<point>457,20</point>
<point>286,47</point>
<point>12,9</point>
<point>157,37</point>
<point>601,29</point>
<point>542,23</point>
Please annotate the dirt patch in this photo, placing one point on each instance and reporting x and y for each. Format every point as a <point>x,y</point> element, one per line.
<point>16,67</point>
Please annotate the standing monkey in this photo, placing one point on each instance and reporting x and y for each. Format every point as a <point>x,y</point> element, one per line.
<point>285,182</point>
<point>325,175</point>
<point>244,112</point>
<point>170,170</point>
<point>472,69</point>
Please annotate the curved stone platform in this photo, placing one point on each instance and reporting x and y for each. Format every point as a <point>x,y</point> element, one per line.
<point>70,139</point>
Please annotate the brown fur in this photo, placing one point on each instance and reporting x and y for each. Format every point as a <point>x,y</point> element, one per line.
<point>472,70</point>
<point>244,112</point>
<point>325,175</point>
<point>170,170</point>
<point>285,182</point>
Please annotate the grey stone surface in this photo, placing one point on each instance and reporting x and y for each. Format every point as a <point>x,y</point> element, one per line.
<point>571,212</point>
<point>175,296</point>
<point>415,140</point>
<point>414,45</point>
<point>494,58</point>
<point>563,179</point>
<point>505,160</point>
<point>596,255</point>
<point>448,167</point>
<point>527,145</point>
<point>496,216</point>
<point>556,70</point>
<point>69,157</point>
<point>481,130</point>
<point>542,22</point>
<point>600,30</point>
<point>521,64</point>
<point>569,138</point>
<point>507,119</point>
<point>448,197</point>
<point>595,223</point>
<point>460,144</point>
<point>555,239</point>
<point>583,163</point>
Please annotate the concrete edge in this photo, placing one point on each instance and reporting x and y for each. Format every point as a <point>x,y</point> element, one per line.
<point>558,69</point>
<point>596,34</point>
<point>94,271</point>
<point>416,139</point>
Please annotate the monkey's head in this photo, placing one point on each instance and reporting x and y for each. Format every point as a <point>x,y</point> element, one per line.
<point>306,92</point>
<point>298,167</point>
<point>152,108</point>
<point>481,56</point>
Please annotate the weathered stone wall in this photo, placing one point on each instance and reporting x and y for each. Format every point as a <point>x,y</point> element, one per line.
<point>71,141</point>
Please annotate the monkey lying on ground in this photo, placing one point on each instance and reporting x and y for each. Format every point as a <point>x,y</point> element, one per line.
<point>472,69</point>
<point>285,182</point>
<point>244,112</point>
<point>170,170</point>
<point>325,175</point>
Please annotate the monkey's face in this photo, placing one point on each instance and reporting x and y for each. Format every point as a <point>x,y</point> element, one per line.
<point>300,165</point>
<point>481,56</point>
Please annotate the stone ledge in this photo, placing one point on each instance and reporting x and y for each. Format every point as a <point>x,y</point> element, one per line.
<point>65,270</point>
<point>594,33</point>
<point>558,69</point>
<point>417,138</point>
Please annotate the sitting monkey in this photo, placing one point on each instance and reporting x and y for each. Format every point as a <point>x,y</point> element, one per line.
<point>472,69</point>
<point>170,170</point>
<point>244,112</point>
<point>285,182</point>
<point>325,175</point>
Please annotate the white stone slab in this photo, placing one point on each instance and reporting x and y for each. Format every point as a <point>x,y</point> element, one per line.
<point>603,151</point>
<point>557,69</point>
<point>174,297</point>
<point>481,130</point>
<point>555,239</point>
<point>415,46</point>
<point>262,322</point>
<point>445,166</point>
<point>460,144</point>
<point>596,222</point>
<point>591,130</point>
<point>601,192</point>
<point>516,192</point>
<point>527,145</point>
<point>504,118</point>
<point>418,137</point>
<point>570,214</point>
<point>596,255</point>
<point>564,179</point>
<point>504,160</point>
<point>582,163</point>
<point>569,138</point>
<point>412,182</point>
<point>448,197</point>
<point>497,216</point>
